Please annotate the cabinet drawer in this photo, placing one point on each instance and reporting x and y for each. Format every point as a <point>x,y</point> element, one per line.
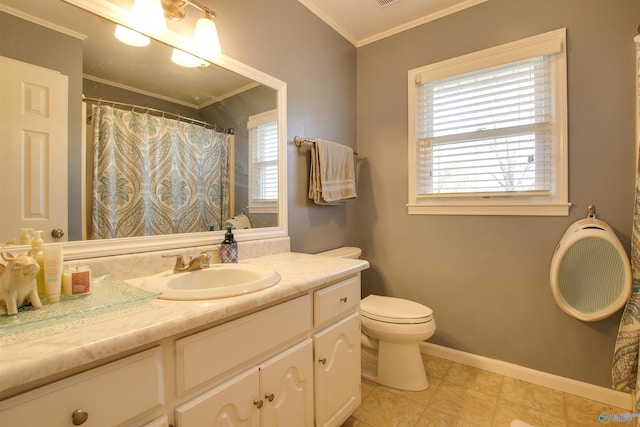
<point>335,300</point>
<point>110,395</point>
<point>208,354</point>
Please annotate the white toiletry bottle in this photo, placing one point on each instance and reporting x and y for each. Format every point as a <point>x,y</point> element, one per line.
<point>25,236</point>
<point>53,260</point>
<point>229,248</point>
<point>37,245</point>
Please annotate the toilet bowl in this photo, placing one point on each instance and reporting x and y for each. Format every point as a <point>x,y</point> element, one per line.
<point>392,329</point>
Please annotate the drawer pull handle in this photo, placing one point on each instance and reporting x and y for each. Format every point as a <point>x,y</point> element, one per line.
<point>258,403</point>
<point>79,417</point>
<point>323,361</point>
<point>343,299</point>
<point>269,396</point>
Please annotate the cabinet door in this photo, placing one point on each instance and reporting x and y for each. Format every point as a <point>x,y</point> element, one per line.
<point>286,386</point>
<point>337,371</point>
<point>231,404</point>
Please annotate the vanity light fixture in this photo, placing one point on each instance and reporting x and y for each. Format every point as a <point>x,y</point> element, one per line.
<point>148,15</point>
<point>205,41</point>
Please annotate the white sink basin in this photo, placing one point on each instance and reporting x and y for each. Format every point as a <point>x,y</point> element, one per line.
<point>217,281</point>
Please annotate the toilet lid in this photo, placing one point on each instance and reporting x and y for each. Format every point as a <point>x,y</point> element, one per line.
<point>394,310</point>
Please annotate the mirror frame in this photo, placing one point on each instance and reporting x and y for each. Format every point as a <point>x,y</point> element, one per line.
<point>120,246</point>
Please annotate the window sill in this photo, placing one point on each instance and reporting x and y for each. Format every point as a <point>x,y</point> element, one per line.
<point>262,209</point>
<point>490,208</point>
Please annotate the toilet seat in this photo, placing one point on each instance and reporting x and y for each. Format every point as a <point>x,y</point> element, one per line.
<point>394,310</point>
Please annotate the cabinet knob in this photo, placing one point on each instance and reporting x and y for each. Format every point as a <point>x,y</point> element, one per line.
<point>343,299</point>
<point>258,403</point>
<point>269,396</point>
<point>323,360</point>
<point>79,417</point>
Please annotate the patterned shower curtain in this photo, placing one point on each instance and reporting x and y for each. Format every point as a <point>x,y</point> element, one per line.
<point>154,175</point>
<point>625,360</point>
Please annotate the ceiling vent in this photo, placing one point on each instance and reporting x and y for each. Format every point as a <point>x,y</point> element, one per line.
<point>384,3</point>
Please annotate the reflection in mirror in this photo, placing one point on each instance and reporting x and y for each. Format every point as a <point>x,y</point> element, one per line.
<point>142,84</point>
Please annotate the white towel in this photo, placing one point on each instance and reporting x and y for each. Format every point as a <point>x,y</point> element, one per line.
<point>332,173</point>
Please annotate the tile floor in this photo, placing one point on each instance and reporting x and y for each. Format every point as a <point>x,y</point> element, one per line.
<point>459,395</point>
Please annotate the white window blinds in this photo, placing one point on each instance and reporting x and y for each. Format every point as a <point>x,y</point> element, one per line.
<point>486,131</point>
<point>263,172</point>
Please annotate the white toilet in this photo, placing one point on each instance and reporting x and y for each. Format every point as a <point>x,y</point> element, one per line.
<point>392,329</point>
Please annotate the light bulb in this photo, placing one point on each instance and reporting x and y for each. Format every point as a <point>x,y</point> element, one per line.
<point>148,16</point>
<point>185,59</point>
<point>205,37</point>
<point>130,37</point>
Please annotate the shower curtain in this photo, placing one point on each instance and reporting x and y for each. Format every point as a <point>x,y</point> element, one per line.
<point>625,361</point>
<point>154,175</point>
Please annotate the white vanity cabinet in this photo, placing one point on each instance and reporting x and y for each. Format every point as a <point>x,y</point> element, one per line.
<point>337,352</point>
<point>111,395</point>
<point>314,382</point>
<point>278,392</point>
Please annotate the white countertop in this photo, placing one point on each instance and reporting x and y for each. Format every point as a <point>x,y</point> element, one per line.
<point>52,352</point>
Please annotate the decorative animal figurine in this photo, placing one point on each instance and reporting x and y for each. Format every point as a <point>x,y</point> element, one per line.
<point>18,283</point>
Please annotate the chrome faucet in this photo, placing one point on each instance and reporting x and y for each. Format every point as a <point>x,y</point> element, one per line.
<point>197,262</point>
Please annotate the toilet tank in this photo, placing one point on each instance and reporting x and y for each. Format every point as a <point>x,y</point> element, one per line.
<point>343,252</point>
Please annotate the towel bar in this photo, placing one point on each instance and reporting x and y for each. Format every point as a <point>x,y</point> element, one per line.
<point>300,142</point>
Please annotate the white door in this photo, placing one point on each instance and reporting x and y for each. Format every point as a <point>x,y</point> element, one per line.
<point>286,386</point>
<point>337,371</point>
<point>33,149</point>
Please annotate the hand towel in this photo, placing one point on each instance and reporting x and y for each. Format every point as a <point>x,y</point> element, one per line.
<point>332,173</point>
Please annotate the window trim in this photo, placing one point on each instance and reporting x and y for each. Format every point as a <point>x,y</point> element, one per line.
<point>557,203</point>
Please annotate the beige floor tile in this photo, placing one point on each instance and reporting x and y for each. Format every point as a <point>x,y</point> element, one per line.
<point>542,399</point>
<point>474,378</point>
<point>464,403</point>
<point>436,368</point>
<point>353,422</point>
<point>434,418</point>
<point>384,408</point>
<point>366,387</point>
<point>422,397</point>
<point>461,396</point>
<point>506,413</point>
<point>584,412</point>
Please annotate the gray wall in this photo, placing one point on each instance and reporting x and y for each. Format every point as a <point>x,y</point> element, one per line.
<point>284,39</point>
<point>487,277</point>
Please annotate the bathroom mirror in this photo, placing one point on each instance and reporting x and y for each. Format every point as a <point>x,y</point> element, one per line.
<point>231,78</point>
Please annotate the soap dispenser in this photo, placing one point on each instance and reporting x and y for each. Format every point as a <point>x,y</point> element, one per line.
<point>229,248</point>
<point>25,236</point>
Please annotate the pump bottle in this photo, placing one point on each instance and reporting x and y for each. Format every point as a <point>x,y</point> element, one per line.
<point>229,248</point>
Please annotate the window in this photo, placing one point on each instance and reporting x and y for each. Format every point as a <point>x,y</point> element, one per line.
<point>488,131</point>
<point>263,162</point>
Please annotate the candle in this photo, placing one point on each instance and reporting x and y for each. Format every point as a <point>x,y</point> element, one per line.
<point>76,281</point>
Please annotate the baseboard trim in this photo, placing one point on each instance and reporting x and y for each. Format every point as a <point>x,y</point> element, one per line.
<point>556,382</point>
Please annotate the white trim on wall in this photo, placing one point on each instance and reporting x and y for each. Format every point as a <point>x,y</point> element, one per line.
<point>566,385</point>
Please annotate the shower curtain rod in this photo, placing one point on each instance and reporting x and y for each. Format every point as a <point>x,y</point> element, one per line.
<point>155,110</point>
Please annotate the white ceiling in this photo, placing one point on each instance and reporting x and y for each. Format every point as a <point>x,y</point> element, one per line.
<point>365,21</point>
